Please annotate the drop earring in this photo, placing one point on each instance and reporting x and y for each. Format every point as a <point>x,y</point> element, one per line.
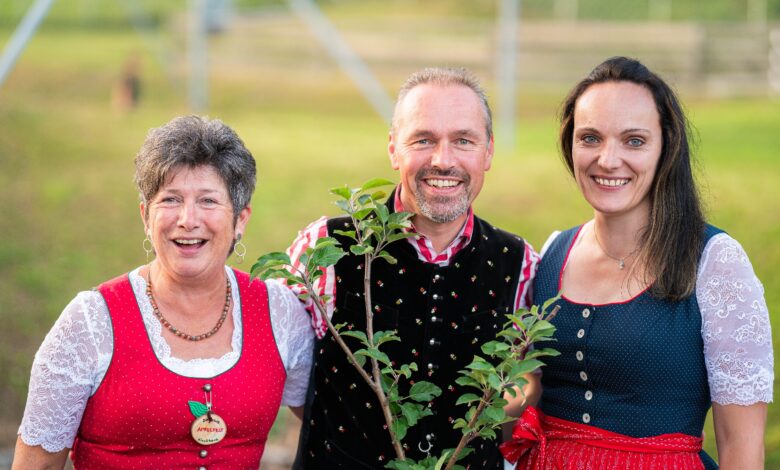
<point>147,246</point>
<point>239,249</point>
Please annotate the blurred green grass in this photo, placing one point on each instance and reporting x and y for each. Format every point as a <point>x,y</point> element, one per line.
<point>69,217</point>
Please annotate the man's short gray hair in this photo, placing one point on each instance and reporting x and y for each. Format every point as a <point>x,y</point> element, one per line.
<point>193,141</point>
<point>444,77</point>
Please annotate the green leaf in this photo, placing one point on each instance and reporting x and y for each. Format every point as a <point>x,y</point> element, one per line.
<point>375,183</point>
<point>381,337</point>
<point>424,391</point>
<point>343,205</point>
<point>377,195</point>
<point>325,241</point>
<point>487,433</point>
<point>281,273</point>
<point>399,465</point>
<point>362,213</point>
<point>398,236</point>
<point>387,257</point>
<point>342,191</point>
<point>361,360</point>
<point>542,352</point>
<point>411,412</point>
<point>467,398</point>
<point>270,260</point>
<point>361,249</point>
<point>480,364</point>
<point>400,427</point>
<point>197,408</point>
<point>364,199</point>
<point>517,383</point>
<point>324,256</point>
<point>546,305</point>
<point>445,457</point>
<point>382,213</point>
<point>467,381</point>
<point>356,334</point>
<point>526,366</point>
<point>346,233</point>
<point>459,423</point>
<point>494,381</point>
<point>494,413</point>
<point>491,347</point>
<point>541,328</point>
<point>374,353</point>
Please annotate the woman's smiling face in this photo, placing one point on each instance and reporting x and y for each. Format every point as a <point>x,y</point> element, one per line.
<point>190,223</point>
<point>617,143</point>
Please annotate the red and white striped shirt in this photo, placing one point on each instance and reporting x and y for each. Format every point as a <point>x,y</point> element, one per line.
<point>326,284</point>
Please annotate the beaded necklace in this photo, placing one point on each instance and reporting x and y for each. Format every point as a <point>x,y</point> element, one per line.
<point>178,332</point>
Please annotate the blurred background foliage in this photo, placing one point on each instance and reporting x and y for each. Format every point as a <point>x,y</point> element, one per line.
<point>69,215</point>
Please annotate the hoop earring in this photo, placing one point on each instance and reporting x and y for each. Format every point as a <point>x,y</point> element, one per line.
<point>239,249</point>
<point>147,246</point>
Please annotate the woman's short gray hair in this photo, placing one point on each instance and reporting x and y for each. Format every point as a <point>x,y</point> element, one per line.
<point>193,141</point>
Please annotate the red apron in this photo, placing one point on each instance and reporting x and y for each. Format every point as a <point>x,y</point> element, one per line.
<point>542,442</point>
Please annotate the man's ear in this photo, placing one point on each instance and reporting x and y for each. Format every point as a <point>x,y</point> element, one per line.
<point>391,151</point>
<point>489,155</point>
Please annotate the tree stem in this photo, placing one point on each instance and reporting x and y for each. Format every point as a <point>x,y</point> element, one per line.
<point>467,438</point>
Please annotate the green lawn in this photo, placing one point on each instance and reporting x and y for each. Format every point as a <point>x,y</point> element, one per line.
<point>70,214</point>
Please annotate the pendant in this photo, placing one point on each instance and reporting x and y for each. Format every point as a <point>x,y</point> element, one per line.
<point>208,429</point>
<point>621,264</point>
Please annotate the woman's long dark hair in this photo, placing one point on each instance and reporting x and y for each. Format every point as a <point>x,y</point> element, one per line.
<point>672,241</point>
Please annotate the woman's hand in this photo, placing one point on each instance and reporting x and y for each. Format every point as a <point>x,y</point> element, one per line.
<point>36,458</point>
<point>739,435</point>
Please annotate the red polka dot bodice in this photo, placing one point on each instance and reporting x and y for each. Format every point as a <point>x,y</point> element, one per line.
<point>139,417</point>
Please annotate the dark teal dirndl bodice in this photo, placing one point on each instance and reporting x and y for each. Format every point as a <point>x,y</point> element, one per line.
<point>634,368</point>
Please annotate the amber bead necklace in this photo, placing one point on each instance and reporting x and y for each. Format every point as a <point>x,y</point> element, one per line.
<point>178,332</point>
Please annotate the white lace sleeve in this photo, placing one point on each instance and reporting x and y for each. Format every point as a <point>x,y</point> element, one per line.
<point>735,325</point>
<point>66,371</point>
<point>291,324</point>
<point>548,242</point>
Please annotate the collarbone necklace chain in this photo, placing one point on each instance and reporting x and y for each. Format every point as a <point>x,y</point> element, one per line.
<point>621,261</point>
<point>178,332</point>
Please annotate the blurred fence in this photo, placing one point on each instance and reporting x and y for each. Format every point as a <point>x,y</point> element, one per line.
<point>712,59</point>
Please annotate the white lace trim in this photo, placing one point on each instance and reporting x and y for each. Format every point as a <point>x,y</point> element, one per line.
<point>735,325</point>
<point>75,356</point>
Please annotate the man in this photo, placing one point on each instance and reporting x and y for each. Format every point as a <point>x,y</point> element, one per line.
<point>447,295</point>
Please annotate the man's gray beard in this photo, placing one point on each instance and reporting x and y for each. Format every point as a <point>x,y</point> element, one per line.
<point>442,209</point>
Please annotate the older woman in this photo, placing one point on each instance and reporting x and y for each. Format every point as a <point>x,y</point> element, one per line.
<point>661,314</point>
<point>182,362</point>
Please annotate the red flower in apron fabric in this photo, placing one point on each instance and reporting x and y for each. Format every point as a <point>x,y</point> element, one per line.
<point>208,427</point>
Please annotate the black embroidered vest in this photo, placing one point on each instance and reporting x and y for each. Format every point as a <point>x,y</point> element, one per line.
<point>443,315</point>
